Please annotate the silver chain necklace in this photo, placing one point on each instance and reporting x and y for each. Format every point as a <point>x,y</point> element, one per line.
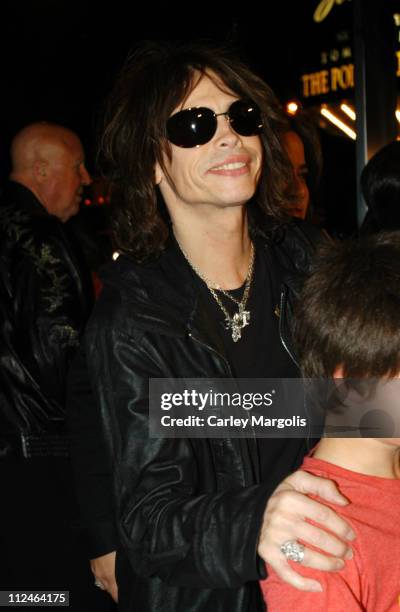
<point>241,318</point>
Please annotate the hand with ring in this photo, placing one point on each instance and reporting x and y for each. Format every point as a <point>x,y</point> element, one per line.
<point>293,551</point>
<point>103,569</point>
<point>287,519</point>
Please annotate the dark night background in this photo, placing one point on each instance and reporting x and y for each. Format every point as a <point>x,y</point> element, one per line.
<point>59,59</point>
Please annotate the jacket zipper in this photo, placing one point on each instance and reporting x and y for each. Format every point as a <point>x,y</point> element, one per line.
<point>210,348</point>
<point>282,307</point>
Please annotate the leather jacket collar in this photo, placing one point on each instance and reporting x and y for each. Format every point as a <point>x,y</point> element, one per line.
<point>24,198</point>
<point>163,295</point>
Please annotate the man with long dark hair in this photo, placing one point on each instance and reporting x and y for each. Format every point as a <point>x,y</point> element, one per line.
<point>203,288</point>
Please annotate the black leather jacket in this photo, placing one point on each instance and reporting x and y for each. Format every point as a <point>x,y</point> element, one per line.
<point>45,299</point>
<point>188,510</point>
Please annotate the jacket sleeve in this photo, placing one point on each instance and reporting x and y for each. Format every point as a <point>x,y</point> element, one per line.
<point>169,527</point>
<point>50,312</point>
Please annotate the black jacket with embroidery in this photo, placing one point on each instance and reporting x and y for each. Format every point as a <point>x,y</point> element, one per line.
<point>45,299</point>
<point>188,510</point>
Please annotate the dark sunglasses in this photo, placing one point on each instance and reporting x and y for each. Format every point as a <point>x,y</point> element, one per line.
<point>192,127</point>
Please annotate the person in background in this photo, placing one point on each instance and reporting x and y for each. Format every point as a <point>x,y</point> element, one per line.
<point>204,287</point>
<point>303,147</point>
<point>380,185</point>
<point>45,299</point>
<point>347,328</point>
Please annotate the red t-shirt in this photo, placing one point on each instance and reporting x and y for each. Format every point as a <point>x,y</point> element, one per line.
<point>371,580</point>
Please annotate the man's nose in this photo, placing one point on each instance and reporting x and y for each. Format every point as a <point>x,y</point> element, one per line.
<point>225,134</point>
<point>86,179</point>
<point>302,188</point>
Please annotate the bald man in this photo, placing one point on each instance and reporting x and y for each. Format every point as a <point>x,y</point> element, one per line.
<point>45,299</point>
<point>49,160</point>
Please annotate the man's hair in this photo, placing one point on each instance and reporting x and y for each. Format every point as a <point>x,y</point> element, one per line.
<point>348,310</point>
<point>306,130</point>
<point>155,79</point>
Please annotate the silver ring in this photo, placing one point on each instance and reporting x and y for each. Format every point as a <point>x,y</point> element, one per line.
<point>99,584</point>
<point>293,551</point>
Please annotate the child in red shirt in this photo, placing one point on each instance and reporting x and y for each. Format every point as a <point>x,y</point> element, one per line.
<point>347,327</point>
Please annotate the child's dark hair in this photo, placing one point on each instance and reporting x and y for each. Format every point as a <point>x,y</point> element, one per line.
<point>380,184</point>
<point>349,309</point>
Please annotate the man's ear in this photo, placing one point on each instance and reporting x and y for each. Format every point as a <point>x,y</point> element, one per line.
<point>40,170</point>
<point>158,174</point>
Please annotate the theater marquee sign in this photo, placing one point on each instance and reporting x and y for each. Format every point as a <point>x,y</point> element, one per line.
<point>326,81</point>
<point>332,74</point>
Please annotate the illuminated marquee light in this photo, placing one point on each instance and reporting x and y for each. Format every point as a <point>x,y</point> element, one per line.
<point>348,111</point>
<point>338,123</point>
<point>398,115</point>
<point>292,107</point>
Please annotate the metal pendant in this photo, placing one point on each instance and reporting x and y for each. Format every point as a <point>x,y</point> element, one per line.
<point>237,323</point>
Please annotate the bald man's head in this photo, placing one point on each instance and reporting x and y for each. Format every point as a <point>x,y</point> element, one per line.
<point>49,160</point>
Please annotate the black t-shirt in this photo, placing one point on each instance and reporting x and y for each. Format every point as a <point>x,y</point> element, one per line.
<point>260,354</point>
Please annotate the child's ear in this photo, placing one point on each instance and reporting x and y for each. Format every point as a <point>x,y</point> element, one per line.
<point>339,372</point>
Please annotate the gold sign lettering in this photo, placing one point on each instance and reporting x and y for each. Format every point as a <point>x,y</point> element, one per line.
<point>324,8</point>
<point>316,83</point>
<point>324,81</point>
<point>342,77</point>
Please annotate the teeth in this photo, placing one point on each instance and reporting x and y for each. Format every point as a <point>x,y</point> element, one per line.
<point>233,166</point>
